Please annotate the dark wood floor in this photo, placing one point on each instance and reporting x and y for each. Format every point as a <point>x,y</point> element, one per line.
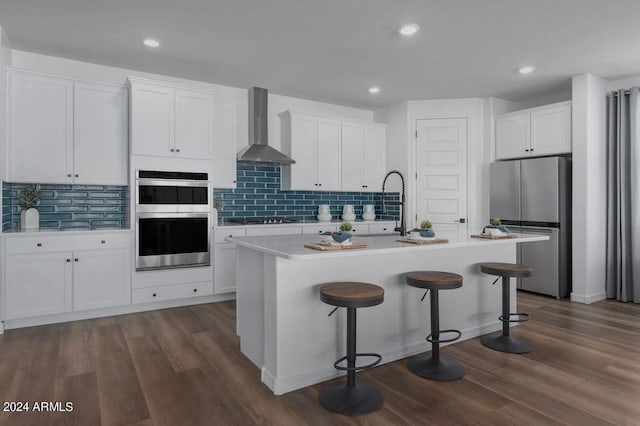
<point>183,367</point>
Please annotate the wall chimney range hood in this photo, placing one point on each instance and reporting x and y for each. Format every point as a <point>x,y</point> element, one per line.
<point>259,150</point>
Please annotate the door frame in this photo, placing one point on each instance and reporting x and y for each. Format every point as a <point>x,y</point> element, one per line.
<point>413,167</point>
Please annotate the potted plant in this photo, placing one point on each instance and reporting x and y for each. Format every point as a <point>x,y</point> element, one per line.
<point>343,236</point>
<point>425,230</point>
<point>495,227</point>
<point>29,216</point>
<point>218,204</point>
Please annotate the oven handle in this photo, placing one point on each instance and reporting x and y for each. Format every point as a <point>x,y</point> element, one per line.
<point>158,215</point>
<point>170,182</point>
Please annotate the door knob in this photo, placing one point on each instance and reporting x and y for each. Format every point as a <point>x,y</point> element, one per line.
<point>461,220</point>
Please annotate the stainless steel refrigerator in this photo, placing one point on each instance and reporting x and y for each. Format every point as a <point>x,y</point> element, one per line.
<point>533,196</point>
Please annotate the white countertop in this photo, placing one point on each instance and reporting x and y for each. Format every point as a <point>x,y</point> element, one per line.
<point>305,223</point>
<point>292,246</point>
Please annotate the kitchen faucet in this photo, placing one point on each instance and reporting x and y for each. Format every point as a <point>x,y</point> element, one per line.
<point>402,228</point>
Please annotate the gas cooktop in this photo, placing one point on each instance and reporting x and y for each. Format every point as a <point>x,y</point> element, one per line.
<point>261,220</point>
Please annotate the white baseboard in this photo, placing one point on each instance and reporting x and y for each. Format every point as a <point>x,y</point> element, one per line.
<point>588,299</point>
<point>117,310</point>
<point>281,386</point>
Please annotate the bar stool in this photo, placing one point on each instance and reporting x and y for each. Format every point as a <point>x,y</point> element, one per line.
<point>505,342</point>
<point>436,367</point>
<point>349,397</point>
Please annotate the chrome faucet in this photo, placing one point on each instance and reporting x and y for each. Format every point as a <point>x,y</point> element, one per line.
<point>402,228</point>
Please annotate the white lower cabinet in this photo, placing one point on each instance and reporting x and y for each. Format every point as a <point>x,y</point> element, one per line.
<point>101,279</point>
<point>47,275</point>
<point>38,284</point>
<point>171,292</point>
<point>224,271</point>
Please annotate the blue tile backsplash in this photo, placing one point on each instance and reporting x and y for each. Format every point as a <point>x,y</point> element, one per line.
<point>69,206</point>
<point>258,193</point>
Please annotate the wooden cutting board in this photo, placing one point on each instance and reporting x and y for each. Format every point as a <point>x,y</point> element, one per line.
<point>495,237</point>
<point>423,242</point>
<point>327,247</point>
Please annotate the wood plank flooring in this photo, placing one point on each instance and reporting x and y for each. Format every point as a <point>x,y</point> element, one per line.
<point>183,366</point>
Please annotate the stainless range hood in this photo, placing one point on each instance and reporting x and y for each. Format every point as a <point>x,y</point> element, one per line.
<point>259,150</point>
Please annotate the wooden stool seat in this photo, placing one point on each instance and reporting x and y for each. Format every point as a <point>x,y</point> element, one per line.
<point>506,269</point>
<point>352,294</point>
<point>435,280</point>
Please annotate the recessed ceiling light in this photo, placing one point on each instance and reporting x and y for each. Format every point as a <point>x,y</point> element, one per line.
<point>374,90</point>
<point>150,42</point>
<point>526,70</point>
<point>409,29</point>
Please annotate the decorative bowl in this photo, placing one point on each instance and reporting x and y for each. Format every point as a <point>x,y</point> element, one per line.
<point>340,237</point>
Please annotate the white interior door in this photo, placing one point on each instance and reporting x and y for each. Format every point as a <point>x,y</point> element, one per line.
<point>441,166</point>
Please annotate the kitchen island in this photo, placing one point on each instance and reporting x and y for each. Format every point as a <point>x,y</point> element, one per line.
<point>283,325</point>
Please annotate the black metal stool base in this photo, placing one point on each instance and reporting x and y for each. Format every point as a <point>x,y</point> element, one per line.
<point>360,399</point>
<point>510,344</point>
<point>443,369</point>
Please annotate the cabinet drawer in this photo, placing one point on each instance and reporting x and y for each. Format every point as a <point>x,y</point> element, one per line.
<point>319,229</point>
<point>182,291</point>
<point>221,233</point>
<point>66,242</point>
<point>359,228</point>
<point>381,228</point>
<point>267,230</point>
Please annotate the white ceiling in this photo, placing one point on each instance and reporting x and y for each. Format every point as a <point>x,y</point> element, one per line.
<point>333,50</point>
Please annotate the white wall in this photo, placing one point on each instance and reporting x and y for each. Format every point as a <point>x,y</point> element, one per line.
<point>589,187</point>
<point>478,150</point>
<point>623,83</point>
<point>398,140</point>
<point>224,94</point>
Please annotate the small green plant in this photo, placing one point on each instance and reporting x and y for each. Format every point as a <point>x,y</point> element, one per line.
<point>218,203</point>
<point>425,224</point>
<point>345,226</point>
<point>495,221</point>
<point>29,197</point>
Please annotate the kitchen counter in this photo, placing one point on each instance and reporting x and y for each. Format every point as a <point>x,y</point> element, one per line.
<point>43,231</point>
<point>283,325</point>
<point>308,222</point>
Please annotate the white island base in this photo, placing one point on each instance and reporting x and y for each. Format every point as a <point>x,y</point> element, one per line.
<point>283,325</point>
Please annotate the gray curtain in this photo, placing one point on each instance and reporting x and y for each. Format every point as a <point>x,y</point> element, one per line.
<point>623,196</point>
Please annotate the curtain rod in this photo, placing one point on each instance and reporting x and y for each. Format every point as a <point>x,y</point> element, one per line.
<point>616,93</point>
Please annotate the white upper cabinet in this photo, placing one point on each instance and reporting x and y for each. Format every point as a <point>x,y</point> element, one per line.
<point>364,154</point>
<point>66,131</point>
<point>538,131</point>
<point>170,121</point>
<point>40,128</point>
<point>314,143</point>
<point>224,145</point>
<point>353,135</point>
<point>551,130</point>
<point>152,120</point>
<point>194,124</point>
<point>100,134</point>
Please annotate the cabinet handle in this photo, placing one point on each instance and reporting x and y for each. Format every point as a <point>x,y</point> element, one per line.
<point>102,242</point>
<point>526,150</point>
<point>354,230</point>
<point>230,235</point>
<point>77,175</point>
<point>68,174</point>
<point>319,184</point>
<point>172,150</point>
<point>75,259</point>
<point>68,260</point>
<point>39,244</point>
<point>384,229</point>
<point>195,290</point>
<point>531,150</point>
<point>315,184</point>
<point>235,181</point>
<point>178,150</point>
<point>154,295</point>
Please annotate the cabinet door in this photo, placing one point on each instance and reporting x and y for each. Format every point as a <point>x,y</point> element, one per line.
<point>303,137</point>
<point>224,270</point>
<point>101,278</point>
<point>100,134</point>
<point>38,284</point>
<point>375,158</point>
<point>152,120</point>
<point>194,124</point>
<point>352,157</point>
<point>224,145</point>
<point>327,153</point>
<point>513,136</point>
<point>40,128</point>
<point>551,130</point>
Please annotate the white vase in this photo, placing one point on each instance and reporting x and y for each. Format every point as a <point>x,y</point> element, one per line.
<point>348,212</point>
<point>30,219</point>
<point>214,216</point>
<point>324,214</point>
<point>368,212</point>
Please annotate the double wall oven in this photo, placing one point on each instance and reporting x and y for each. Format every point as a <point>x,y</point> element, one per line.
<point>172,219</point>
